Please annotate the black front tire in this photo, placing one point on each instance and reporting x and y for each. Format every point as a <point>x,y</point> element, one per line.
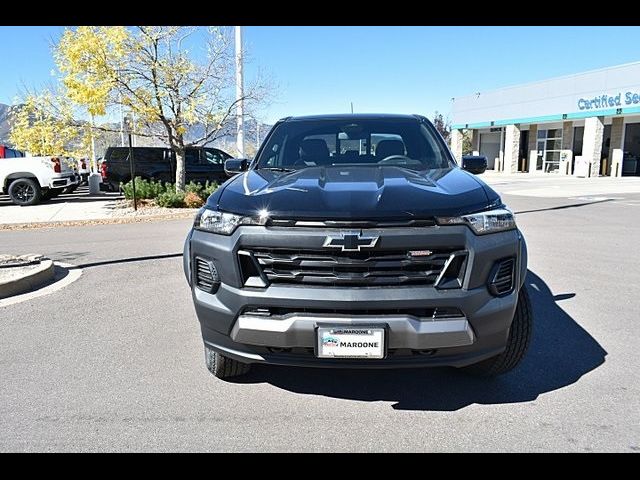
<point>25,191</point>
<point>224,367</point>
<point>517,343</point>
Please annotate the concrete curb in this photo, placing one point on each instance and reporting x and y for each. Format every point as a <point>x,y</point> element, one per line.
<point>35,278</point>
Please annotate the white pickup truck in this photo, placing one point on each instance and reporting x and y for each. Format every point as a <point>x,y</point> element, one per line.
<point>29,180</point>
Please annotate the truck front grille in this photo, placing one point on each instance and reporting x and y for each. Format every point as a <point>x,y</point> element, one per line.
<point>354,269</point>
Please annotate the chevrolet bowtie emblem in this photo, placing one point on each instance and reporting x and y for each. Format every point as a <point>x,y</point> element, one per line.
<point>350,241</point>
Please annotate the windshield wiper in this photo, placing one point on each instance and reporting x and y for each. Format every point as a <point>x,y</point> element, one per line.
<point>278,169</point>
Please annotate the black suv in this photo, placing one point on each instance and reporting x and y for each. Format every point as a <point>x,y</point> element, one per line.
<point>357,241</point>
<point>157,163</point>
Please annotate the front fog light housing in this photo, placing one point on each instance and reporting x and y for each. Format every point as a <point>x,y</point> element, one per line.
<point>225,223</point>
<point>481,223</point>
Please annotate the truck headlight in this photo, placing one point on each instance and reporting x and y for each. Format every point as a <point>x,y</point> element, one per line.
<point>224,223</point>
<point>481,223</point>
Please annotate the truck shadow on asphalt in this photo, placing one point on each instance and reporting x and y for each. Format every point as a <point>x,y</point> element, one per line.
<point>561,352</point>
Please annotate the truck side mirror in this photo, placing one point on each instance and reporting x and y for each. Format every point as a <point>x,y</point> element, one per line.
<point>233,166</point>
<point>475,164</point>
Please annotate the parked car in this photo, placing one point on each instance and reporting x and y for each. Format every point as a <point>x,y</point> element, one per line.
<point>8,152</point>
<point>156,163</point>
<point>29,180</point>
<point>83,170</point>
<point>356,241</point>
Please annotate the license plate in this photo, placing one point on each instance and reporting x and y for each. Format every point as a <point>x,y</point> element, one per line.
<point>350,342</point>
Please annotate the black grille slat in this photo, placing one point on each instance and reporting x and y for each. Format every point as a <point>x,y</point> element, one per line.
<point>372,268</point>
<point>504,278</point>
<point>204,277</point>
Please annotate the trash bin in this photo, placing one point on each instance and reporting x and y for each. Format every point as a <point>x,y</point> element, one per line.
<point>94,183</point>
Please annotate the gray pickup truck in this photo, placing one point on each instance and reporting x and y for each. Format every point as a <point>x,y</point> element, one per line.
<point>356,241</point>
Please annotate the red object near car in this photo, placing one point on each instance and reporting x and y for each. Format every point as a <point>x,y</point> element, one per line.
<point>8,152</point>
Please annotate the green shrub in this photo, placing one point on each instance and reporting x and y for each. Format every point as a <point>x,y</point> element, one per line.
<point>171,199</point>
<point>193,187</point>
<point>165,195</point>
<point>208,189</point>
<point>145,189</point>
<point>127,189</point>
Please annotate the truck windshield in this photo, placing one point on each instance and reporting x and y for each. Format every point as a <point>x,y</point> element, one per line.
<point>405,143</point>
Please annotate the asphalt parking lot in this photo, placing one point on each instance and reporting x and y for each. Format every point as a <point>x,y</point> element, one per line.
<point>114,360</point>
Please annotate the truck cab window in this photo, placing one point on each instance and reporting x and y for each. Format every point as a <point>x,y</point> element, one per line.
<point>192,156</point>
<point>214,157</point>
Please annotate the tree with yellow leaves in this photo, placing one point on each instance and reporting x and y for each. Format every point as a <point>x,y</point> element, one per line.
<point>42,128</point>
<point>44,124</point>
<point>88,59</point>
<point>175,80</point>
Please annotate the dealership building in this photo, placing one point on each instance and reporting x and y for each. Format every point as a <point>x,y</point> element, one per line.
<point>586,124</point>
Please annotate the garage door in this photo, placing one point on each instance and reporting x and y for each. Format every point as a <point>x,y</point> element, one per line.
<point>490,147</point>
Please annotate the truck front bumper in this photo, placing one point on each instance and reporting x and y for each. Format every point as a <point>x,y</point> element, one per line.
<point>230,324</point>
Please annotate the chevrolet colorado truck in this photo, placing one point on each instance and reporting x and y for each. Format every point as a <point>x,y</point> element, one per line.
<point>356,241</point>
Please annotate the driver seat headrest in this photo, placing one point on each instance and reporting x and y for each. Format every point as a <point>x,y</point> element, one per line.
<point>386,148</point>
<point>314,147</point>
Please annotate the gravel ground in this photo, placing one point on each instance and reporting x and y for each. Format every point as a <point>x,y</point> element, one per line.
<point>124,208</point>
<point>122,213</point>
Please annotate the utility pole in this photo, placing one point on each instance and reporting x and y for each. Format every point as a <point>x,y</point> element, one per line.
<point>257,135</point>
<point>132,164</point>
<point>94,164</point>
<point>121,115</point>
<point>133,128</point>
<point>351,107</point>
<point>239,94</point>
<point>121,123</point>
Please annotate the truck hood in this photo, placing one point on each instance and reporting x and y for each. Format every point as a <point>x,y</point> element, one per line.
<point>354,192</point>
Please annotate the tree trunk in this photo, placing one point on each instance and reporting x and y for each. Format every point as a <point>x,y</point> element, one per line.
<point>180,169</point>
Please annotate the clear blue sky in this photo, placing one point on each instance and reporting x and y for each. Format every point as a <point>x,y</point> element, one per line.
<point>379,69</point>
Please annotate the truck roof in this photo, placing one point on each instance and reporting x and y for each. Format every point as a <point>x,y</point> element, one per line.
<point>352,116</point>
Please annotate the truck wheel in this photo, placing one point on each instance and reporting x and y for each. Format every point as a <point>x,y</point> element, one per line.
<point>224,367</point>
<point>25,191</point>
<point>517,343</point>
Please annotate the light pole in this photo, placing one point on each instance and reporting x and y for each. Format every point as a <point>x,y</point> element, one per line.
<point>121,123</point>
<point>94,164</point>
<point>132,162</point>
<point>121,114</point>
<point>239,94</point>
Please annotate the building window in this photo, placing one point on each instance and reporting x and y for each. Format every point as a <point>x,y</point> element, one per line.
<point>549,149</point>
<point>578,133</point>
<point>631,158</point>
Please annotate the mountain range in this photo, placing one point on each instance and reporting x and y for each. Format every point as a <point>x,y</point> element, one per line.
<point>225,142</point>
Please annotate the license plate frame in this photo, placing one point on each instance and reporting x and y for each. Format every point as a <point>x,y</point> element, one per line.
<point>376,333</point>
